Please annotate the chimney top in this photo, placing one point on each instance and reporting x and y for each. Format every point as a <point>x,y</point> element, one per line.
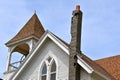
<point>77,7</point>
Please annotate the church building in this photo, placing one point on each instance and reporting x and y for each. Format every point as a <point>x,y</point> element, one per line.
<point>47,57</point>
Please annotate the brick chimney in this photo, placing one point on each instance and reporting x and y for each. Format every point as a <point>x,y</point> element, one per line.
<point>75,44</point>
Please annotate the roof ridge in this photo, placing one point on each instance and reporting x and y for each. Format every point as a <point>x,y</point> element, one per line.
<point>35,20</point>
<point>107,57</point>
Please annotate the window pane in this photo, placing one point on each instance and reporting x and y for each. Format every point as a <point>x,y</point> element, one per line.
<point>44,77</point>
<point>44,70</point>
<point>53,76</point>
<point>53,67</point>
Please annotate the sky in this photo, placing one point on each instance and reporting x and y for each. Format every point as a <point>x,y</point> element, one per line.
<point>100,24</point>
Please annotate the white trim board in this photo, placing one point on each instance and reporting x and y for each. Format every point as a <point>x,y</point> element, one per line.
<point>46,35</point>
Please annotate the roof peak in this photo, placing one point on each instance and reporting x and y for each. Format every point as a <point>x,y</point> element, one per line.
<point>33,27</point>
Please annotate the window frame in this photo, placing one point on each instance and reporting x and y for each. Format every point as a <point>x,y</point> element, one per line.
<point>49,67</point>
<point>43,74</point>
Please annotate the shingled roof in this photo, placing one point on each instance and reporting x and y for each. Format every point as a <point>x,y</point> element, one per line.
<point>97,67</point>
<point>32,28</point>
<point>112,65</point>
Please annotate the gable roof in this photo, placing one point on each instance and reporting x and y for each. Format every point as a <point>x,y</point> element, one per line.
<point>62,44</point>
<point>32,28</point>
<point>86,62</point>
<point>96,67</point>
<point>112,65</point>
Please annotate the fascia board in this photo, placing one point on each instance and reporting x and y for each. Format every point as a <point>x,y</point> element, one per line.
<point>88,68</point>
<point>84,65</point>
<point>9,44</point>
<point>15,76</point>
<point>53,38</point>
<point>102,75</point>
<point>59,43</point>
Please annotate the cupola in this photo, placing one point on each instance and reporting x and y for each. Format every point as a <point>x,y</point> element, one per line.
<point>24,41</point>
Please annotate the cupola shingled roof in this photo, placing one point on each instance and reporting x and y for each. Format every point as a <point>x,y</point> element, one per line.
<point>32,28</point>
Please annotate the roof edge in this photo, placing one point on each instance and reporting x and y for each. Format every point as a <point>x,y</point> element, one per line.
<point>84,65</point>
<point>20,40</point>
<point>39,44</point>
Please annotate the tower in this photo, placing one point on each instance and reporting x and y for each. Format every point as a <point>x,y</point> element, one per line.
<point>23,42</point>
<point>76,26</point>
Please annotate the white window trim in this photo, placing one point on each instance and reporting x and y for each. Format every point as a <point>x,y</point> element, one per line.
<point>48,68</point>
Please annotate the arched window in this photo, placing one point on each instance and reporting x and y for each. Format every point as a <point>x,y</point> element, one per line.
<point>53,71</point>
<point>48,71</point>
<point>44,72</point>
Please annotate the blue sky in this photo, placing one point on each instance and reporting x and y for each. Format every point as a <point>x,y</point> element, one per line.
<point>100,28</point>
